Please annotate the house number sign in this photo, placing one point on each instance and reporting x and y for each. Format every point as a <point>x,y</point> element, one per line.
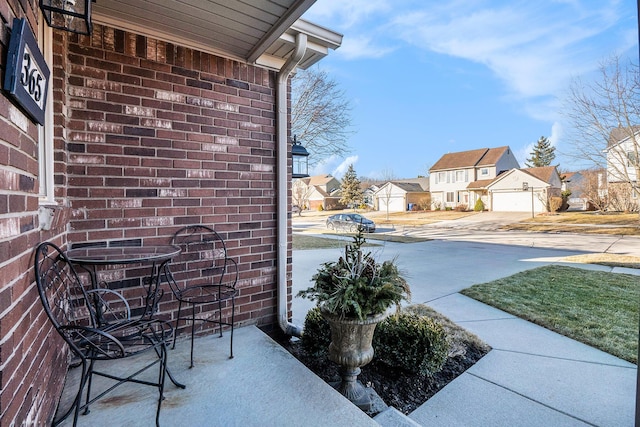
<point>27,76</point>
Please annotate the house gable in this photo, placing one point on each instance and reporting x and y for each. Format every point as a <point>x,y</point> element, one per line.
<point>514,180</point>
<point>623,154</point>
<point>399,196</point>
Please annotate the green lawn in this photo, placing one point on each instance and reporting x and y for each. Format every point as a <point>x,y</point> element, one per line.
<point>301,241</point>
<point>597,308</point>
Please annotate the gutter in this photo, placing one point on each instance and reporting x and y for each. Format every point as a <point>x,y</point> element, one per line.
<point>283,182</point>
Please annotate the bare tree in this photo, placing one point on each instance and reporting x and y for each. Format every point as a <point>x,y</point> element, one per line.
<point>320,114</point>
<point>605,115</point>
<point>593,188</point>
<point>300,192</point>
<point>387,176</point>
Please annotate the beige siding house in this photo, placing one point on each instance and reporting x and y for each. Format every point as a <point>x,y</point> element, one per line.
<point>460,179</point>
<point>317,192</point>
<point>524,190</point>
<point>401,195</point>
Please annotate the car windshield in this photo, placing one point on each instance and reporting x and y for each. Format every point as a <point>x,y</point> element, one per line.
<point>358,218</point>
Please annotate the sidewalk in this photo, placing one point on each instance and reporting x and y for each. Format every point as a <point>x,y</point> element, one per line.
<point>531,377</point>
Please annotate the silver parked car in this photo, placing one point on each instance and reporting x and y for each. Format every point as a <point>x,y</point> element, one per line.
<point>350,222</point>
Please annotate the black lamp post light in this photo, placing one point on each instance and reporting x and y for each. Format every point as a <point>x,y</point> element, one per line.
<point>69,15</point>
<point>300,157</point>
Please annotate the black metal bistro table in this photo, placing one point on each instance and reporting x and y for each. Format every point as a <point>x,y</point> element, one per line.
<point>89,257</point>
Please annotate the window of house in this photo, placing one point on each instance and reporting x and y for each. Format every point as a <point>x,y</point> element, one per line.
<point>450,196</point>
<point>442,177</point>
<point>460,176</point>
<point>45,133</point>
<point>484,171</point>
<point>631,159</point>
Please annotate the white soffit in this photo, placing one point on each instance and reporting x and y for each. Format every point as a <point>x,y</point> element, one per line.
<point>252,31</point>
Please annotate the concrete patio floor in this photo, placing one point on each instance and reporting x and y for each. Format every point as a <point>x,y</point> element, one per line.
<point>263,385</point>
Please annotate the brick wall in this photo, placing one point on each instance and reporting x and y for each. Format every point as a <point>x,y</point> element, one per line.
<point>160,136</point>
<point>32,358</point>
<point>149,136</point>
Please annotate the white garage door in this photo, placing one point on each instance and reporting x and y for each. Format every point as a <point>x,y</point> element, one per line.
<point>517,201</point>
<point>396,204</point>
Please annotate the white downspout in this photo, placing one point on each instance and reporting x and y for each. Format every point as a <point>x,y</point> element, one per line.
<point>282,177</point>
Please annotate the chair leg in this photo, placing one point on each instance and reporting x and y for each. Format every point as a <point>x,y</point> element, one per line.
<point>75,407</point>
<point>89,374</point>
<point>233,311</point>
<point>220,315</point>
<point>175,336</point>
<point>161,379</point>
<point>193,326</point>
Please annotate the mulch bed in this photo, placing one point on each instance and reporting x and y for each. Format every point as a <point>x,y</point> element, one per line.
<point>403,390</point>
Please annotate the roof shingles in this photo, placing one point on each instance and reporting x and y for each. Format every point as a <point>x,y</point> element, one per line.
<point>469,159</point>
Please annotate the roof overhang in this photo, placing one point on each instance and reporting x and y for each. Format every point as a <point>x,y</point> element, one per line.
<point>261,33</point>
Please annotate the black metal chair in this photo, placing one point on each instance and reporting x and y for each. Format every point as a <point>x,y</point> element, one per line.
<point>74,312</point>
<point>203,275</point>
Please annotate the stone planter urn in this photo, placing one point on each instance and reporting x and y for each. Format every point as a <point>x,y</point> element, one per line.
<point>351,349</point>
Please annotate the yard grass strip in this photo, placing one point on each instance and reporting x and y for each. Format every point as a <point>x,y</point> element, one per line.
<point>597,308</point>
<point>302,242</point>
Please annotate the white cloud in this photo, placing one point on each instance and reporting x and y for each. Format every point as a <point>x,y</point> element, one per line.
<point>345,14</point>
<point>325,166</point>
<point>341,169</point>
<point>556,134</point>
<point>362,47</point>
<point>533,47</point>
<point>334,166</point>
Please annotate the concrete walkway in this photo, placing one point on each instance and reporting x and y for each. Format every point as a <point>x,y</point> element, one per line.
<point>531,377</point>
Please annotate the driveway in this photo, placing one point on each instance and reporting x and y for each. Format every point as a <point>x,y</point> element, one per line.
<point>482,221</point>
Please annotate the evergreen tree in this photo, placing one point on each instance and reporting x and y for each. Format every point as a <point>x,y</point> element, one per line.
<point>351,191</point>
<point>542,155</point>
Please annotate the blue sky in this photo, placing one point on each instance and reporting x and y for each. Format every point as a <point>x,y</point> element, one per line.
<point>429,77</point>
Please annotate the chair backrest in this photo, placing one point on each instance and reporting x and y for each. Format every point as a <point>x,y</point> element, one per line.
<point>203,259</point>
<point>63,296</point>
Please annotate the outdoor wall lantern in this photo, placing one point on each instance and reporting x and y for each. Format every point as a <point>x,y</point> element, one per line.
<point>69,15</point>
<point>300,157</point>
<point>525,186</point>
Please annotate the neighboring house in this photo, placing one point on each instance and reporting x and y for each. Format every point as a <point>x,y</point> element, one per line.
<point>167,114</point>
<point>322,192</point>
<point>368,194</point>
<point>524,190</point>
<point>623,168</point>
<point>460,179</point>
<point>574,182</point>
<point>402,195</point>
